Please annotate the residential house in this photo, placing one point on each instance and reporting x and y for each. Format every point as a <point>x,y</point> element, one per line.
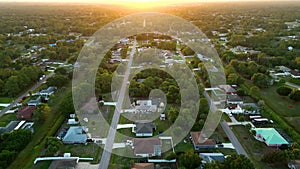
<point>250,108</point>
<point>227,89</point>
<point>143,166</point>
<point>234,99</point>
<point>284,69</point>
<point>295,74</point>
<point>75,135</point>
<point>144,129</point>
<point>211,157</point>
<point>72,121</point>
<point>34,102</point>
<point>25,112</point>
<point>147,147</point>
<point>270,137</point>
<point>200,141</point>
<point>48,91</point>
<point>9,127</point>
<point>145,106</point>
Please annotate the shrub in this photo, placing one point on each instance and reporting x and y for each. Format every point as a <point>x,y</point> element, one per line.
<point>295,95</point>
<point>284,91</point>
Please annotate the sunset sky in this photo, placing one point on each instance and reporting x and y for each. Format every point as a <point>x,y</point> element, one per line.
<point>133,1</point>
<point>136,3</point>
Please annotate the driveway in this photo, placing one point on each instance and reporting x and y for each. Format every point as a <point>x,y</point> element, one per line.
<point>292,85</point>
<point>228,145</point>
<point>228,112</point>
<point>125,126</point>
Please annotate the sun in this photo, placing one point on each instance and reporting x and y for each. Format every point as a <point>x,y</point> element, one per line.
<point>141,4</point>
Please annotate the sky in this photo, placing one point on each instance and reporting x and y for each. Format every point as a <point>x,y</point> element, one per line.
<point>136,3</point>
<point>131,1</point>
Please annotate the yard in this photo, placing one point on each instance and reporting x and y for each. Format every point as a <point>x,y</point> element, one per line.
<point>7,118</point>
<point>254,148</point>
<point>90,150</point>
<point>283,106</point>
<point>6,99</point>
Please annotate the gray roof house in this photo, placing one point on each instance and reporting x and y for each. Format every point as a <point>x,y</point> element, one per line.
<point>210,157</point>
<point>9,127</point>
<point>75,135</point>
<point>48,91</point>
<point>234,99</point>
<point>144,129</point>
<point>34,102</point>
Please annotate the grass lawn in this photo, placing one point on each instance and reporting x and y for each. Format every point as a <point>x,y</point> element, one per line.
<point>254,148</point>
<point>120,162</point>
<point>161,125</point>
<point>182,147</point>
<point>6,99</point>
<point>281,104</point>
<point>6,118</point>
<point>90,150</point>
<point>42,165</point>
<point>219,135</point>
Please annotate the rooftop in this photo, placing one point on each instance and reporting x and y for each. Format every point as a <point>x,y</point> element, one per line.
<point>143,166</point>
<point>270,135</point>
<point>25,112</point>
<point>145,145</point>
<point>75,134</point>
<point>144,127</point>
<point>201,139</point>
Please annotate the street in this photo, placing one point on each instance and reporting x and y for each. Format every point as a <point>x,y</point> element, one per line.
<point>113,127</point>
<point>235,142</point>
<point>25,94</point>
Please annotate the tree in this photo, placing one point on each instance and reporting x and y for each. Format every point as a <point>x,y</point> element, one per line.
<point>241,92</point>
<point>172,114</point>
<point>103,82</point>
<point>171,156</point>
<point>57,80</point>
<point>260,80</point>
<point>63,53</point>
<point>275,157</point>
<point>204,107</point>
<point>12,87</point>
<point>284,91</point>
<point>254,90</point>
<point>190,160</point>
<point>295,95</point>
<point>41,113</point>
<point>66,106</point>
<point>173,94</point>
<point>52,145</point>
<point>236,161</point>
<point>61,70</point>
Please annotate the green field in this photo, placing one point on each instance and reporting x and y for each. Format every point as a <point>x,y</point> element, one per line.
<point>288,109</point>
<point>6,99</point>
<point>281,104</point>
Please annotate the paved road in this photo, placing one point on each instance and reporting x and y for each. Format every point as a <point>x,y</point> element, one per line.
<point>235,142</point>
<point>112,130</point>
<point>24,94</point>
